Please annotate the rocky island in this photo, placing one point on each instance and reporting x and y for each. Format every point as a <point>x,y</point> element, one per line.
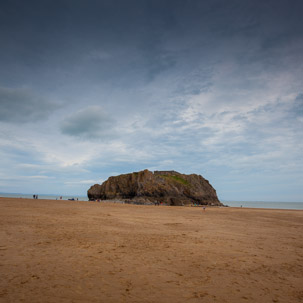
<point>146,187</point>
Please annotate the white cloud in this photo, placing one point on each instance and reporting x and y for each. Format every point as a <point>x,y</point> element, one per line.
<point>85,182</point>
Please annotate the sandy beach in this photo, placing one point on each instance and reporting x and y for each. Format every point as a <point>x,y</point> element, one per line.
<point>70,251</point>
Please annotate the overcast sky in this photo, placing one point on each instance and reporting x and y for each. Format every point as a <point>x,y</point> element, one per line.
<point>90,89</point>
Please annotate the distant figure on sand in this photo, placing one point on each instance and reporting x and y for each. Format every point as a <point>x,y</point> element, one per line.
<point>204,208</point>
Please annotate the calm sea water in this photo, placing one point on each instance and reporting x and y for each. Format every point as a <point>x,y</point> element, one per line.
<point>48,197</point>
<point>259,204</point>
<point>250,204</point>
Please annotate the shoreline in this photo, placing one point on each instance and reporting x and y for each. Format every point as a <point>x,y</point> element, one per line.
<point>207,206</point>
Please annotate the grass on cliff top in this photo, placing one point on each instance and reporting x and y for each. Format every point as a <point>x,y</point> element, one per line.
<point>176,179</point>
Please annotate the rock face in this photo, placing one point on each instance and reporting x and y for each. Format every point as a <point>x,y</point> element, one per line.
<point>146,187</point>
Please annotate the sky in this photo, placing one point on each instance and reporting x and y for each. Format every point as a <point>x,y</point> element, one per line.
<point>91,89</point>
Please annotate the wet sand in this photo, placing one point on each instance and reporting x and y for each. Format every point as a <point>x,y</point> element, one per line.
<point>69,251</point>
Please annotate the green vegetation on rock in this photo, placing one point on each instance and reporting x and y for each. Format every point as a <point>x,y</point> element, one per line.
<point>176,179</point>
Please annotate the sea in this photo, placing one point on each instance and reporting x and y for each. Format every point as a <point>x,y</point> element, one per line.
<point>46,197</point>
<point>265,204</point>
<point>248,204</point>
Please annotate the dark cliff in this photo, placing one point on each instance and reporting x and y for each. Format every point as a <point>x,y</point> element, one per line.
<point>169,187</point>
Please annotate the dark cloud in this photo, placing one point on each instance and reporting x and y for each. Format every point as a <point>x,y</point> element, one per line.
<point>22,105</point>
<point>45,41</point>
<point>89,123</point>
<point>298,105</point>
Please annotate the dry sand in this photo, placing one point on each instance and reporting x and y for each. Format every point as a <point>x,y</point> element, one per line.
<point>68,251</point>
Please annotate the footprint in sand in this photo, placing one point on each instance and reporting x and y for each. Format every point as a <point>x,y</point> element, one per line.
<point>200,294</point>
